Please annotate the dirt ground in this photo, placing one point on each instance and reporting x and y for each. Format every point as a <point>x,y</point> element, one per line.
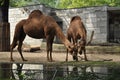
<point>40,57</point>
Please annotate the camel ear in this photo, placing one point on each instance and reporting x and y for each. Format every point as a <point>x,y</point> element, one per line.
<point>70,48</point>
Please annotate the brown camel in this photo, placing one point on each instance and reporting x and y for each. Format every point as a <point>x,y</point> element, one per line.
<point>75,32</point>
<point>39,26</point>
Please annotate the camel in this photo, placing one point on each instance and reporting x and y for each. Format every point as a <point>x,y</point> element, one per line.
<point>75,32</point>
<point>38,26</point>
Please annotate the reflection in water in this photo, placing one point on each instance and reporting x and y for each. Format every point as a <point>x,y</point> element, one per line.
<point>5,71</point>
<point>45,72</point>
<point>18,72</point>
<point>28,71</point>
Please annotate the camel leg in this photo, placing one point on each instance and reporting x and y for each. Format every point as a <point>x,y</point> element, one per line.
<point>49,52</point>
<point>51,55</point>
<point>75,53</point>
<point>20,51</point>
<point>19,48</point>
<point>48,55</point>
<point>76,56</point>
<point>69,38</point>
<point>49,48</point>
<point>85,57</point>
<point>22,37</point>
<point>13,45</point>
<point>67,56</point>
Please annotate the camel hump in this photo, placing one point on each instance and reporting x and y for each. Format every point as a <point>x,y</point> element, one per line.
<point>35,13</point>
<point>75,18</point>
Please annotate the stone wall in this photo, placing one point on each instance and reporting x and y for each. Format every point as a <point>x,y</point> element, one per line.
<point>94,18</point>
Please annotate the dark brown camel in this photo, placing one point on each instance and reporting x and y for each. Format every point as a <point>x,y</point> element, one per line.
<point>75,32</point>
<point>39,26</point>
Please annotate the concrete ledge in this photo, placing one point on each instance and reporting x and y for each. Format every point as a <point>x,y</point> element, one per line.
<point>111,49</point>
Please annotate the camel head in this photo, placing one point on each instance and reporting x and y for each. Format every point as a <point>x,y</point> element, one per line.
<point>73,51</point>
<point>81,45</point>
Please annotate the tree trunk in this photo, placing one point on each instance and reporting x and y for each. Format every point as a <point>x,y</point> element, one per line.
<point>4,38</point>
<point>4,27</point>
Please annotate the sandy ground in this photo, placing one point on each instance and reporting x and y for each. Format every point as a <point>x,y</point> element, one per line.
<point>40,57</point>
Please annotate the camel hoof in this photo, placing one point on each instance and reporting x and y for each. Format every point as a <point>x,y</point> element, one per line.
<point>86,59</point>
<point>51,60</point>
<point>12,60</point>
<point>66,60</point>
<point>25,60</point>
<point>76,60</point>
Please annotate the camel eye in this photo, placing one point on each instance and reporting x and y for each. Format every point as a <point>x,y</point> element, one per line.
<point>69,47</point>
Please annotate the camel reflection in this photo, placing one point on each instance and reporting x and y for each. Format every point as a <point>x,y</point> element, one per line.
<point>48,72</point>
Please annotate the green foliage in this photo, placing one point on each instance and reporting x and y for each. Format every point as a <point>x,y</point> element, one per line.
<point>62,4</point>
<point>1,2</point>
<point>51,3</point>
<point>84,3</point>
<point>19,3</point>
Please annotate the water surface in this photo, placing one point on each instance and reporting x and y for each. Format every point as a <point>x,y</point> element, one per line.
<point>46,72</point>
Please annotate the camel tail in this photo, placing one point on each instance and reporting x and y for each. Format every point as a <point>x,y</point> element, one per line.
<point>91,38</point>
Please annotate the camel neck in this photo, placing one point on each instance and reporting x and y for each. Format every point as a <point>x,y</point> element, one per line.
<point>60,34</point>
<point>62,37</point>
